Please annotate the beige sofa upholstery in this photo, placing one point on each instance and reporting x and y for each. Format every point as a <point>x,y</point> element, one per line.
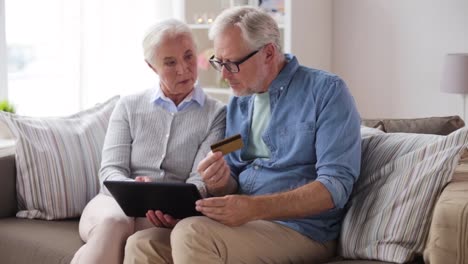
<point>31,241</point>
<point>448,238</point>
<point>39,241</point>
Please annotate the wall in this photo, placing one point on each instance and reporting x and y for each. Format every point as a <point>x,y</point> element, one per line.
<point>391,53</point>
<point>310,41</point>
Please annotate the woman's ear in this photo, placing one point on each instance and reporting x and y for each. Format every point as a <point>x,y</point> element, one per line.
<point>151,66</point>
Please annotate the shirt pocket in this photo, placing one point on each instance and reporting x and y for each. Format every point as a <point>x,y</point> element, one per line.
<point>296,143</point>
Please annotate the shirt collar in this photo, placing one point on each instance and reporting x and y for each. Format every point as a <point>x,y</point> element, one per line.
<point>197,95</point>
<point>286,74</point>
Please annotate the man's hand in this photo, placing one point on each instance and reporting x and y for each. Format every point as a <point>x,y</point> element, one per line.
<point>215,172</point>
<point>159,219</point>
<point>231,210</point>
<point>143,179</point>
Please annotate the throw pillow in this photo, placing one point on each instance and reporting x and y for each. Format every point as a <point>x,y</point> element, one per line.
<point>5,131</point>
<point>57,161</point>
<point>369,131</point>
<point>390,209</point>
<point>373,123</point>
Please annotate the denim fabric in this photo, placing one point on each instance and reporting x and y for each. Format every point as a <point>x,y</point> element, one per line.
<point>313,134</point>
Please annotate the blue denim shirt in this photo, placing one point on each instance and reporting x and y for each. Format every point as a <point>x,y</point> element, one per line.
<point>313,135</point>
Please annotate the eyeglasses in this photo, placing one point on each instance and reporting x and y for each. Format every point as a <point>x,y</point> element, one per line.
<point>231,66</point>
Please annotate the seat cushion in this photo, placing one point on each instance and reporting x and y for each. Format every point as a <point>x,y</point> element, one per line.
<point>38,241</point>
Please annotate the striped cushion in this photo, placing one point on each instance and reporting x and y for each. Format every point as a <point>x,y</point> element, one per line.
<point>391,206</point>
<point>57,161</point>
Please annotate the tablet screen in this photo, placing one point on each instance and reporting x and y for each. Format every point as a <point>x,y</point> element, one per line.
<point>136,198</point>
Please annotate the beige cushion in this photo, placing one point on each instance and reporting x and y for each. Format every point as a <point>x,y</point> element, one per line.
<point>391,206</point>
<point>448,236</point>
<point>38,241</point>
<point>430,125</point>
<point>57,161</point>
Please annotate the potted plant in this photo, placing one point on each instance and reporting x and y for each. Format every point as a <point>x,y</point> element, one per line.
<point>6,106</point>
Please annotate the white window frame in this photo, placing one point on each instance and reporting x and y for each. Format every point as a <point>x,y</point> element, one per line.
<point>3,58</point>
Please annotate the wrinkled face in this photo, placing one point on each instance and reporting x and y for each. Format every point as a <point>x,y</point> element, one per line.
<point>176,64</point>
<point>229,46</point>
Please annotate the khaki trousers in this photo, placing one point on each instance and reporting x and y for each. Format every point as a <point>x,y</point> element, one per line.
<point>104,228</point>
<point>202,240</point>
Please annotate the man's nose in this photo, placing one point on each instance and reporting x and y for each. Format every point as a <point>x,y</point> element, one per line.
<point>225,73</point>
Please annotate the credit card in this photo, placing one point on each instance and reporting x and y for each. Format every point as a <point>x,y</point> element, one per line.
<point>228,145</point>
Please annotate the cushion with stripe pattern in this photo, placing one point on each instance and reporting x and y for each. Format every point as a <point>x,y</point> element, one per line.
<point>390,209</point>
<point>58,160</point>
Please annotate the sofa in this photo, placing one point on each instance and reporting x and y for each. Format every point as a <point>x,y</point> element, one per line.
<point>56,241</point>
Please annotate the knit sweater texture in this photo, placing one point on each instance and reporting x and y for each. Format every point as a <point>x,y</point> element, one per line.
<point>143,139</point>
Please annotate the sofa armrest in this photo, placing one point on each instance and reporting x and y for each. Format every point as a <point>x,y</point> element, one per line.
<point>8,205</point>
<point>448,235</point>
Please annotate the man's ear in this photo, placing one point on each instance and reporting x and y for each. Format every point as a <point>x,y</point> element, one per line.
<point>270,51</point>
<point>151,66</point>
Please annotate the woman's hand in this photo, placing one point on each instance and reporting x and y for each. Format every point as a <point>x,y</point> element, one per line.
<point>143,179</point>
<point>159,219</point>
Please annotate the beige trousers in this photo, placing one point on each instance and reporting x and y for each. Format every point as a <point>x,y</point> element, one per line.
<point>104,228</point>
<point>202,240</point>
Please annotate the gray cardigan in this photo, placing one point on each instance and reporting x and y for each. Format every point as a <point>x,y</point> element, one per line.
<point>143,139</point>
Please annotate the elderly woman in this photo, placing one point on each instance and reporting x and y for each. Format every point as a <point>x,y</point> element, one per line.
<point>157,135</point>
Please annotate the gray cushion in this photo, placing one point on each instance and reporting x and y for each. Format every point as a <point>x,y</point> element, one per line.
<point>38,241</point>
<point>431,125</point>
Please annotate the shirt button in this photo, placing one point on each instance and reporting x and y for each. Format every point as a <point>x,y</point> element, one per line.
<point>172,114</point>
<point>281,88</point>
<point>256,167</point>
<point>162,156</point>
<point>167,135</point>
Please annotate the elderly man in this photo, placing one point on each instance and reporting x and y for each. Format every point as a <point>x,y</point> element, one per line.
<point>300,129</point>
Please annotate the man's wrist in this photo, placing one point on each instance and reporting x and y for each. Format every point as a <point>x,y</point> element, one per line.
<point>229,188</point>
<point>260,207</point>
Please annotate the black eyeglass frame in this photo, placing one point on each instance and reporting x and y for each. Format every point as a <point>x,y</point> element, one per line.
<point>231,66</point>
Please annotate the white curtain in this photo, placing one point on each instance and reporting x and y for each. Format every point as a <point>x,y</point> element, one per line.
<point>112,53</point>
<point>65,56</point>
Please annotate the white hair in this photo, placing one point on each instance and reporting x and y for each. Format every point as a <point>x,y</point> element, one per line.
<point>159,31</point>
<point>258,27</point>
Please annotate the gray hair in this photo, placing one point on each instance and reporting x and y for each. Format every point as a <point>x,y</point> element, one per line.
<point>258,27</point>
<point>161,30</point>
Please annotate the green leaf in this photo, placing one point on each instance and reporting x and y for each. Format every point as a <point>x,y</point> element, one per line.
<point>7,106</point>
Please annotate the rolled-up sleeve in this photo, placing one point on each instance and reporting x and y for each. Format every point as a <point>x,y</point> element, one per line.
<point>338,146</point>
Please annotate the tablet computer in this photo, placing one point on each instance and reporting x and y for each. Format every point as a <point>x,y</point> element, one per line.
<point>136,198</point>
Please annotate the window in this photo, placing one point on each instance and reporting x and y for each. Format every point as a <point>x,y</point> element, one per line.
<point>64,56</point>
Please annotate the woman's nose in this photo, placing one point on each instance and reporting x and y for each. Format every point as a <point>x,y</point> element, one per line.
<point>180,68</point>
